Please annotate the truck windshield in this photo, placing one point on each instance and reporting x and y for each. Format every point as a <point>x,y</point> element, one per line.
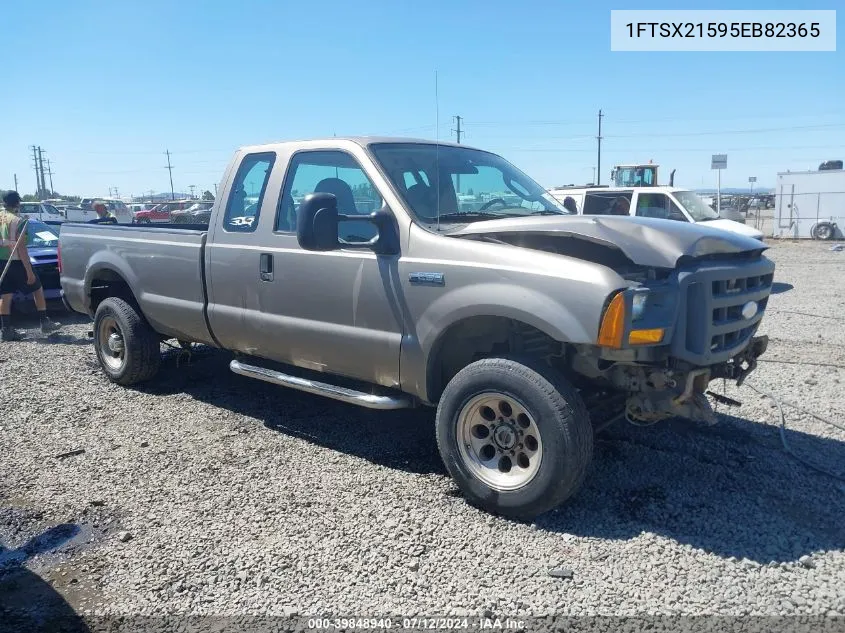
<point>695,206</point>
<point>472,185</point>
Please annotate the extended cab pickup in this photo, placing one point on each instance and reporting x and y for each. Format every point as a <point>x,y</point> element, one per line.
<point>345,267</point>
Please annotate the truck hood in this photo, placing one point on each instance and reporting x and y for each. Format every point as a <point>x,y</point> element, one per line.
<point>644,241</point>
<point>734,227</point>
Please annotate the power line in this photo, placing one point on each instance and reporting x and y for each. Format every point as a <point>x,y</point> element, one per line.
<point>723,132</point>
<point>647,149</point>
<point>598,161</point>
<point>35,163</point>
<point>170,171</point>
<point>41,168</point>
<point>661,120</point>
<point>457,129</point>
<point>50,173</point>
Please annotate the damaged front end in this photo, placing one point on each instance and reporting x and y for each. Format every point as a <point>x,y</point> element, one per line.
<point>668,393</point>
<point>668,339</point>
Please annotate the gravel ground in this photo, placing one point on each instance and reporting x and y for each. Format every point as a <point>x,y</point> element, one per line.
<point>209,493</point>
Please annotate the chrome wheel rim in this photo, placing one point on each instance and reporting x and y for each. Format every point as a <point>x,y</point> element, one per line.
<point>499,441</point>
<point>111,344</point>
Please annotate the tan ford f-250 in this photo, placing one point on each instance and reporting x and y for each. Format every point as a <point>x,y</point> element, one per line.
<point>392,273</point>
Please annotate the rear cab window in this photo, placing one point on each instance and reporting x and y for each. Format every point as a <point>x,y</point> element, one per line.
<point>247,194</point>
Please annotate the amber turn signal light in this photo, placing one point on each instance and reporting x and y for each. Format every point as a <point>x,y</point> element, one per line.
<point>645,337</point>
<point>613,323</point>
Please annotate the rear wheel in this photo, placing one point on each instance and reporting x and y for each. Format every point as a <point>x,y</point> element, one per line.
<point>127,347</point>
<point>515,436</point>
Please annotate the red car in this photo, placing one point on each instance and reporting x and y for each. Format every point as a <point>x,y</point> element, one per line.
<point>160,212</point>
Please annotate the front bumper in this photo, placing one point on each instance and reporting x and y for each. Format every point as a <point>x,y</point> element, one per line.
<point>658,394</point>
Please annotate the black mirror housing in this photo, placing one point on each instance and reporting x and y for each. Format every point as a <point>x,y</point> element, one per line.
<point>316,222</point>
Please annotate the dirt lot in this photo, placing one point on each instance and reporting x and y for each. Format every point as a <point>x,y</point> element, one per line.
<point>208,493</point>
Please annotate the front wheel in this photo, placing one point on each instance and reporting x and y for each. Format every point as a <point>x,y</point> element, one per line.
<point>127,347</point>
<point>514,435</point>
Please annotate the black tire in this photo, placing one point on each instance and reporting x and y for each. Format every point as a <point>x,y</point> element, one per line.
<point>560,415</point>
<point>823,231</point>
<point>141,348</point>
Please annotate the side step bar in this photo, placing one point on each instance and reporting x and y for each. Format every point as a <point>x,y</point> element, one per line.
<point>362,399</point>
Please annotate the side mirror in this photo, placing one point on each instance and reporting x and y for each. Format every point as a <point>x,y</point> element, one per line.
<point>316,222</point>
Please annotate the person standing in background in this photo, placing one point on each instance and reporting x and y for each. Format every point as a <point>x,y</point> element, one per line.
<point>20,277</point>
<point>104,216</point>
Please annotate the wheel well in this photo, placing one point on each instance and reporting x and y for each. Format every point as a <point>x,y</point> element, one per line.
<point>479,337</point>
<point>107,283</point>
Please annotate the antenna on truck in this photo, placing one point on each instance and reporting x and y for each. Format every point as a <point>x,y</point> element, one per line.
<point>437,148</point>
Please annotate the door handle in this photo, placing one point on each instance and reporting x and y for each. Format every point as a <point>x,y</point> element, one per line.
<point>266,267</point>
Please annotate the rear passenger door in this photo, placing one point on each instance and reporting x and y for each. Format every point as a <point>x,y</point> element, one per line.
<point>233,258</point>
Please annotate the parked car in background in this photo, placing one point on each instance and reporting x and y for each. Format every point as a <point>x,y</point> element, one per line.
<point>79,214</point>
<point>197,213</point>
<point>41,211</point>
<point>119,208</point>
<point>160,213</point>
<point>668,203</point>
<point>42,242</point>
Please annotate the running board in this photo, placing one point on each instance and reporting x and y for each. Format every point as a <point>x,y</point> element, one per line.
<point>351,396</point>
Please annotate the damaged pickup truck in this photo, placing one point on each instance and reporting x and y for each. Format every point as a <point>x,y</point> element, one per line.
<point>392,273</point>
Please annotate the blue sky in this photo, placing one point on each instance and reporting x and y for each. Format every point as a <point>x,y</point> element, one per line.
<point>106,87</point>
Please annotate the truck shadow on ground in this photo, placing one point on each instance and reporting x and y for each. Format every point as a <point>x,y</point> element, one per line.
<point>27,601</point>
<point>779,287</point>
<point>729,489</point>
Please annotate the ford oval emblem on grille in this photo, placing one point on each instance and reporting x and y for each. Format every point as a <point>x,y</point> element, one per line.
<point>749,309</point>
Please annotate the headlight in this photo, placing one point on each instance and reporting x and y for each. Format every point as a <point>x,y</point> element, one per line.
<point>638,306</point>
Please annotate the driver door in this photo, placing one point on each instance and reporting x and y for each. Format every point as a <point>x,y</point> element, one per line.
<point>334,311</point>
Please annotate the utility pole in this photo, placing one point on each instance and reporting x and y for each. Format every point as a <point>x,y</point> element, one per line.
<point>215,191</point>
<point>16,182</point>
<point>37,172</point>
<point>457,131</point>
<point>192,187</point>
<point>50,173</point>
<point>170,170</point>
<point>598,161</point>
<point>41,167</point>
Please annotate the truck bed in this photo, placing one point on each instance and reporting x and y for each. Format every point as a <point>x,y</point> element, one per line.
<point>162,265</point>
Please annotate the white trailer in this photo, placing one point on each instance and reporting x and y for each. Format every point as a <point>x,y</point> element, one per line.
<point>810,204</point>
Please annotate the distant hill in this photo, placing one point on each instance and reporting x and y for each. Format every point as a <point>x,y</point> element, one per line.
<point>164,197</point>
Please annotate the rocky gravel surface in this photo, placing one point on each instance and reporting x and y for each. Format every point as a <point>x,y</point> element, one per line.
<point>208,493</point>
